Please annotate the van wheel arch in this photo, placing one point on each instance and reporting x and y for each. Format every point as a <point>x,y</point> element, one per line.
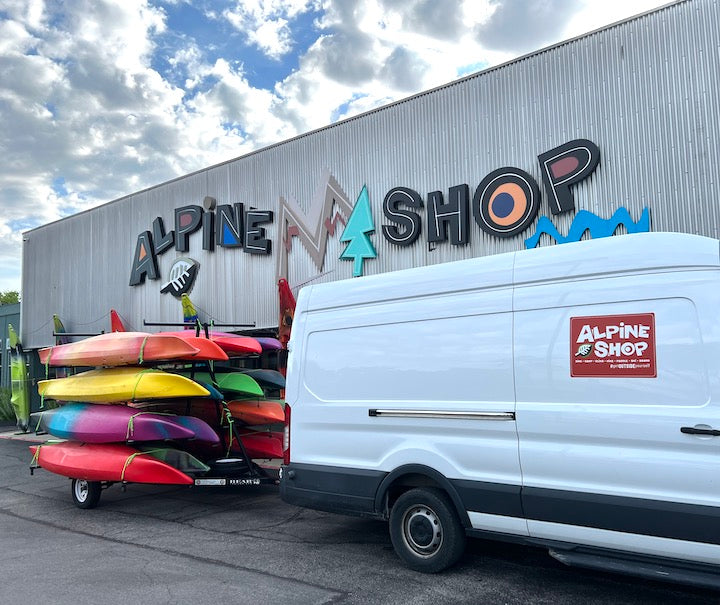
<point>410,476</point>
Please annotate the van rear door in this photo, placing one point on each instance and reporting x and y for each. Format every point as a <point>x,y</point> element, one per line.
<point>613,376</point>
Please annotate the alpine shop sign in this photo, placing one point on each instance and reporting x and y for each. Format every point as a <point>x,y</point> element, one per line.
<point>504,204</point>
<point>613,346</point>
<point>227,226</point>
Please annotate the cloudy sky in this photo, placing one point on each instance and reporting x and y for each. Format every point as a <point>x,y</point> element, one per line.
<point>101,98</point>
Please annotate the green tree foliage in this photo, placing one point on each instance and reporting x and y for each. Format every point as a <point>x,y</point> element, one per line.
<point>9,298</point>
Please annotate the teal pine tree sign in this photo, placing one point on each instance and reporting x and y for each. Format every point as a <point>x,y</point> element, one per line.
<point>360,224</point>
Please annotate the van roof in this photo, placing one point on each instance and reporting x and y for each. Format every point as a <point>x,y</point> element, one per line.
<point>632,253</point>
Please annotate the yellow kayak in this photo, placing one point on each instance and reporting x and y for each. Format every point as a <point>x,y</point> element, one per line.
<point>112,385</point>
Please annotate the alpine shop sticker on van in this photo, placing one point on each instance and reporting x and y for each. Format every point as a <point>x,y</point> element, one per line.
<point>613,346</point>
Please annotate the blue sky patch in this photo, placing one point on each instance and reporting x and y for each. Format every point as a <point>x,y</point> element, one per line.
<point>58,184</point>
<point>341,109</point>
<point>471,68</point>
<point>216,38</point>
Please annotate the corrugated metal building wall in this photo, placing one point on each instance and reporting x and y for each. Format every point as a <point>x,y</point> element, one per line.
<point>645,91</point>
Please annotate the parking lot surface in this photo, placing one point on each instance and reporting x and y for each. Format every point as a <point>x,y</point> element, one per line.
<point>152,544</point>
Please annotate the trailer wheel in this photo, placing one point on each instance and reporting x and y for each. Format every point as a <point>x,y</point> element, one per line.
<point>425,530</point>
<point>85,494</point>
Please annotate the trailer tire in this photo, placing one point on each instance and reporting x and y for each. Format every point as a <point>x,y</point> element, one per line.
<point>425,530</point>
<point>85,494</point>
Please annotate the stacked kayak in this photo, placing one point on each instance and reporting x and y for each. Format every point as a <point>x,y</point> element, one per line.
<point>153,410</point>
<point>94,423</point>
<point>107,439</point>
<point>234,345</point>
<point>114,385</point>
<point>262,418</point>
<point>240,402</point>
<point>112,462</point>
<point>20,396</point>
<point>247,395</point>
<point>118,349</point>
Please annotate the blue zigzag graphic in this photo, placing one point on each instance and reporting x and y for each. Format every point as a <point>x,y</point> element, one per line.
<point>587,221</point>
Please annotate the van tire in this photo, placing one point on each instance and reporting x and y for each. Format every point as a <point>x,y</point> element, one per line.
<point>425,530</point>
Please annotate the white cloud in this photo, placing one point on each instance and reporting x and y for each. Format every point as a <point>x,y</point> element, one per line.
<point>593,15</point>
<point>88,114</point>
<point>266,23</point>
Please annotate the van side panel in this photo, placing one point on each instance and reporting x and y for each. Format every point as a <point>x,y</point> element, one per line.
<point>449,352</point>
<point>608,452</point>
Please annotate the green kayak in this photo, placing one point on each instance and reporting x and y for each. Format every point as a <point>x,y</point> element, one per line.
<point>230,383</point>
<point>20,397</point>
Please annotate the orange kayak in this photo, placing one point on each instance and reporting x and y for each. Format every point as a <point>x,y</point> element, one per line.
<point>119,349</point>
<point>257,411</point>
<point>207,349</point>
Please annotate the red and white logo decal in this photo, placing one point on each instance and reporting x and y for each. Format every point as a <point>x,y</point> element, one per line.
<point>613,346</point>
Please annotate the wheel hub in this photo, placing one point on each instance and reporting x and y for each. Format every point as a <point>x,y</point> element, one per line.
<point>81,490</point>
<point>422,531</point>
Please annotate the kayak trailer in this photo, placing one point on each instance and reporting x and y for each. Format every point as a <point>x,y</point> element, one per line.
<point>142,467</point>
<point>93,467</point>
<point>167,460</point>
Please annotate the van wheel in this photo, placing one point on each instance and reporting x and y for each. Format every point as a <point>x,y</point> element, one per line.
<point>86,494</point>
<point>425,530</point>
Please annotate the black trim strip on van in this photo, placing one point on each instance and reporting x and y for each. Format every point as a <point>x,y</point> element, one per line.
<point>680,521</point>
<point>352,491</point>
<point>446,414</point>
<point>490,498</point>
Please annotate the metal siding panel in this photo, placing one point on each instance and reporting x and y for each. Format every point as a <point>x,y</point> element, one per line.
<point>645,91</point>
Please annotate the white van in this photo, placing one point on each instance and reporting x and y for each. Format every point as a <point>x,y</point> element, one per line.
<point>566,396</point>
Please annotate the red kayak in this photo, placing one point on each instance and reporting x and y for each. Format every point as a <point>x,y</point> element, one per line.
<point>106,462</point>
<point>119,349</point>
<point>232,344</point>
<point>263,444</point>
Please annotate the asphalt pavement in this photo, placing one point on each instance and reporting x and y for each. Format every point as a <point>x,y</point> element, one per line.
<point>158,545</point>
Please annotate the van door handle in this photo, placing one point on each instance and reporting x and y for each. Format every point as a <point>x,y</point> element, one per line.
<point>691,430</point>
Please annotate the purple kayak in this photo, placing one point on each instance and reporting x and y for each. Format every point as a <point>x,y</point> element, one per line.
<point>202,430</point>
<point>266,342</point>
<point>97,423</point>
<point>269,344</point>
